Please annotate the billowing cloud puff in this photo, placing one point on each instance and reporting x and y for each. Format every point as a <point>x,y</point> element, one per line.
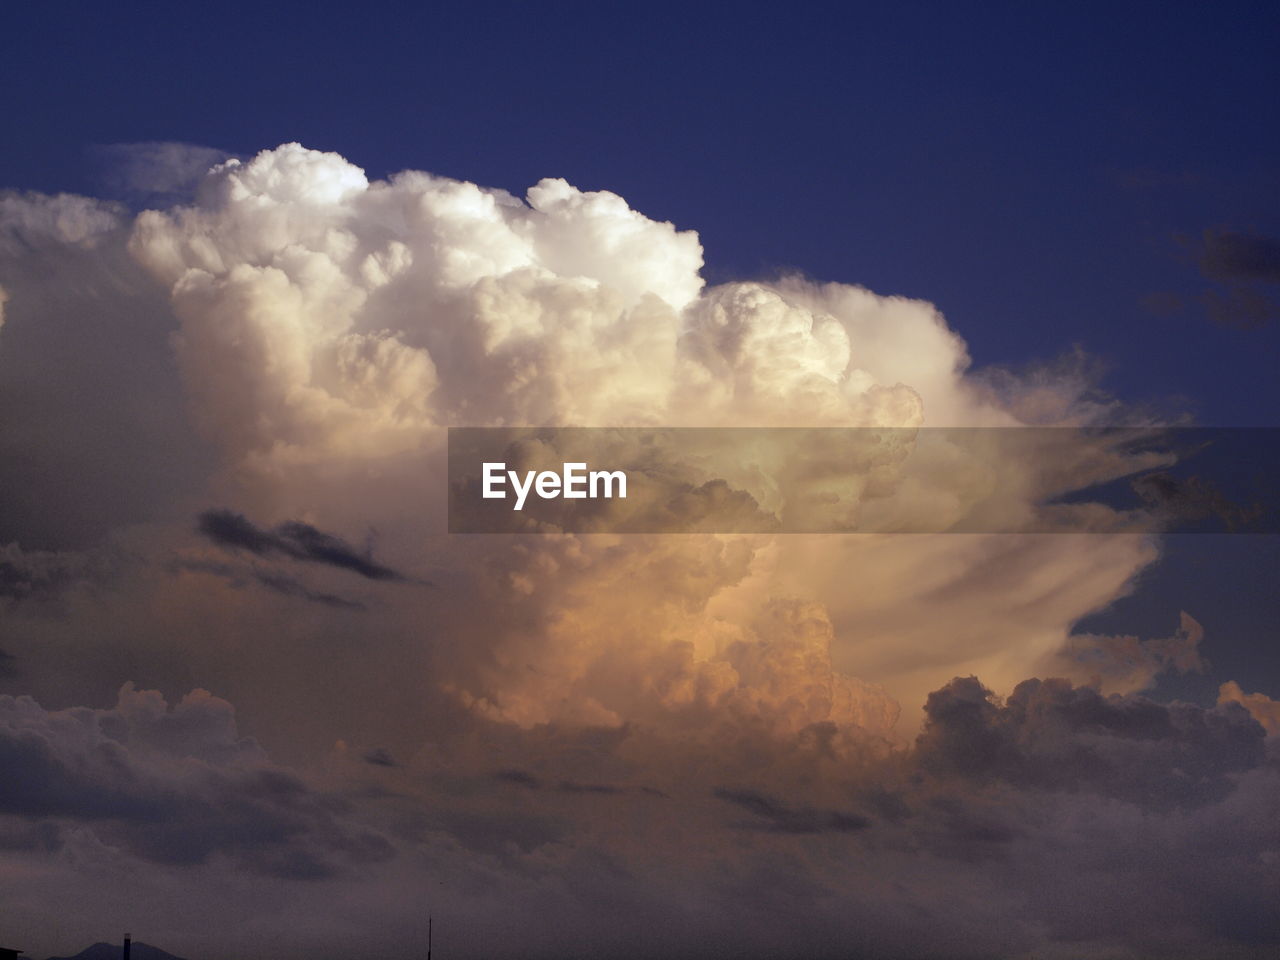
<point>359,314</point>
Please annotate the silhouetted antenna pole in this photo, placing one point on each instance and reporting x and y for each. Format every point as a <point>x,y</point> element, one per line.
<point>428,939</point>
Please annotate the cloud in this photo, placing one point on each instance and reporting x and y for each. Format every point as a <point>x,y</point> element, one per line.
<point>1174,500</point>
<point>174,785</point>
<point>292,588</point>
<point>295,540</point>
<point>777,817</point>
<point>31,222</point>
<point>80,311</point>
<point>1244,268</point>
<point>156,172</point>
<point>520,778</point>
<point>239,576</point>
<point>1053,735</point>
<point>1240,307</point>
<point>572,786</point>
<point>380,758</point>
<point>1263,708</point>
<point>1229,255</point>
<point>324,330</point>
<point>1128,664</point>
<point>1039,810</point>
<point>291,339</point>
<point>34,574</point>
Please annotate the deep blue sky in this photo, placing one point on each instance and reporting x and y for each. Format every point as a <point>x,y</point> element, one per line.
<point>1027,167</point>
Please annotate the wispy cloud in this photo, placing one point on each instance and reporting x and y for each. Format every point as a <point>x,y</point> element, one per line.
<point>297,541</point>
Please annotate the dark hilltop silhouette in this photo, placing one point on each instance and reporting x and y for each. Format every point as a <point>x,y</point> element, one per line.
<point>111,951</point>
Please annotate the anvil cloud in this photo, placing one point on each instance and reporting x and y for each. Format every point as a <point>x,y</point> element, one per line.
<point>568,745</point>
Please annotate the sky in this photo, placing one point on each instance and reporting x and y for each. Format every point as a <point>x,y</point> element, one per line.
<point>255,700</point>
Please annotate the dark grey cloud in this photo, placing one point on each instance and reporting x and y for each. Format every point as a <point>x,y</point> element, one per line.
<point>39,573</point>
<point>1176,500</point>
<point>1240,307</point>
<point>295,540</point>
<point>380,757</point>
<point>504,832</point>
<point>273,580</point>
<point>1051,735</point>
<point>572,786</point>
<point>521,778</point>
<point>1245,270</point>
<point>1046,807</point>
<point>290,587</point>
<point>173,786</point>
<point>1231,255</point>
<point>776,817</point>
<point>28,835</point>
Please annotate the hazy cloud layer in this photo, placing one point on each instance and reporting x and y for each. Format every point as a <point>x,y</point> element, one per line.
<point>155,172</point>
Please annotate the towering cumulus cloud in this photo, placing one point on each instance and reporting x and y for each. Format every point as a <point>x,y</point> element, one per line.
<point>558,740</point>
